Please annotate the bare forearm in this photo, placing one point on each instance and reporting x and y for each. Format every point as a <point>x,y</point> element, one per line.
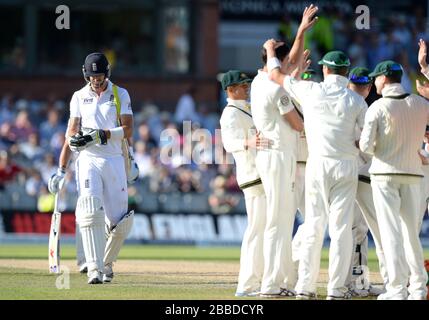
<point>297,49</point>
<point>64,156</point>
<point>73,127</point>
<point>126,127</point>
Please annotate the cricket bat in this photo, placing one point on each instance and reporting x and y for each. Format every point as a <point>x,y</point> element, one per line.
<point>54,239</point>
<point>126,154</point>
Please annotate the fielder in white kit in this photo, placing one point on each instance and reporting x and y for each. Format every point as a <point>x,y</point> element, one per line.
<point>100,169</point>
<point>364,217</point>
<point>239,138</point>
<point>276,119</point>
<point>423,89</point>
<point>393,131</point>
<point>331,112</point>
<point>301,161</point>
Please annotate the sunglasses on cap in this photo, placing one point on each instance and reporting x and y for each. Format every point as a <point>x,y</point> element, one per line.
<point>360,80</point>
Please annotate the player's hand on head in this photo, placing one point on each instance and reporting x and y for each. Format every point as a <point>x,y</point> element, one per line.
<point>271,44</point>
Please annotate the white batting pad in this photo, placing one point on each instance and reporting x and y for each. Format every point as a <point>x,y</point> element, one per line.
<point>90,217</point>
<point>80,253</point>
<point>117,236</point>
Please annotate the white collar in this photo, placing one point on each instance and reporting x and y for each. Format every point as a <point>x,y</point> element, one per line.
<point>392,89</point>
<point>242,104</point>
<point>262,73</point>
<point>92,92</point>
<point>337,79</point>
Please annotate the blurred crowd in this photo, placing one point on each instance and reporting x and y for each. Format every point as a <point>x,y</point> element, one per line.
<point>32,134</point>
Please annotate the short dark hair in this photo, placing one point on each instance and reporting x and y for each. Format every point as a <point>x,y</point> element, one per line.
<point>342,71</point>
<point>394,78</point>
<point>281,53</point>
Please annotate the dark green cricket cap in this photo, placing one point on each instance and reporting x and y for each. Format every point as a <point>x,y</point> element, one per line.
<point>335,59</point>
<point>360,75</point>
<point>387,68</point>
<point>234,77</point>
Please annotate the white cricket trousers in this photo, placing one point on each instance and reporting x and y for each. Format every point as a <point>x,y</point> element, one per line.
<point>300,206</point>
<point>105,179</point>
<point>330,191</point>
<point>365,203</point>
<point>398,214</point>
<point>251,258</point>
<point>425,191</point>
<point>277,171</point>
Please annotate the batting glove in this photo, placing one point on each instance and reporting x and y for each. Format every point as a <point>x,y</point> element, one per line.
<point>86,138</point>
<point>133,173</point>
<point>56,182</point>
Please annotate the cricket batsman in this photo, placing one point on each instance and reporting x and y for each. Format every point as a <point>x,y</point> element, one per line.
<point>94,133</point>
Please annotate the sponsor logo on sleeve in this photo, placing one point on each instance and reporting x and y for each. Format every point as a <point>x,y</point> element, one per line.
<point>285,100</point>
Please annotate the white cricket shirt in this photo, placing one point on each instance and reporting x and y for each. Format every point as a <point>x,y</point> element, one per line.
<point>236,126</point>
<point>99,112</point>
<point>302,150</point>
<point>331,113</point>
<point>393,132</point>
<point>269,103</point>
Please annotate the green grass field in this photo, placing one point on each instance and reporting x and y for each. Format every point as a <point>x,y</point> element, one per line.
<point>142,272</point>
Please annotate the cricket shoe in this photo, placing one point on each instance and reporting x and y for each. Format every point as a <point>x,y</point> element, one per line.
<point>376,291</point>
<point>108,273</point>
<point>359,293</point>
<point>304,295</point>
<point>417,297</point>
<point>95,277</point>
<point>247,294</point>
<point>372,291</point>
<point>283,293</point>
<point>389,296</point>
<point>339,295</point>
<point>83,269</point>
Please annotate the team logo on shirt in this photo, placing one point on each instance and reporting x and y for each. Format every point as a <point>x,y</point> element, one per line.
<point>87,100</point>
<point>284,100</point>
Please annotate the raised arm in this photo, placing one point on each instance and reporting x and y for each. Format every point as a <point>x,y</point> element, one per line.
<point>422,58</point>
<point>308,20</point>
<point>297,57</point>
